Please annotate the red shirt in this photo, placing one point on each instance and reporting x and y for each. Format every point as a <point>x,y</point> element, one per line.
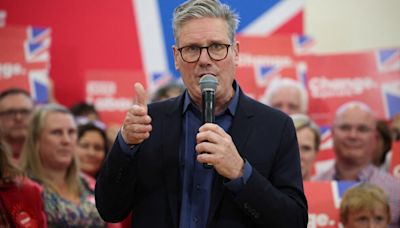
<point>23,203</point>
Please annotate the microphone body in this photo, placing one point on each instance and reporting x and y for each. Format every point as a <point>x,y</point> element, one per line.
<point>208,85</point>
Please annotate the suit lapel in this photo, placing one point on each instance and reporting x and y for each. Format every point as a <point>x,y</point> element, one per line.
<point>239,131</point>
<point>171,127</point>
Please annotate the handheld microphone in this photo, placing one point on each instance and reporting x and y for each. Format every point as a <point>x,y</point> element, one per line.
<point>208,86</point>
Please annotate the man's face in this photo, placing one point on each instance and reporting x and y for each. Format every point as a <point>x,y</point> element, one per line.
<point>287,99</point>
<point>354,136</point>
<point>204,32</point>
<point>15,114</point>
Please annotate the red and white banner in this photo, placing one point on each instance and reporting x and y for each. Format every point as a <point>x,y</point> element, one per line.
<point>112,92</point>
<point>323,200</point>
<point>25,60</point>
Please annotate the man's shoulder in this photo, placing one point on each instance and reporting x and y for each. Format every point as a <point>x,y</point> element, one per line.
<point>382,177</point>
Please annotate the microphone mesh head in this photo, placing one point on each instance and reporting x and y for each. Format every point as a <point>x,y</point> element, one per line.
<point>208,83</point>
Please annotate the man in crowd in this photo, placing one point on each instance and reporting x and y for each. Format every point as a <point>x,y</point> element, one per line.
<point>287,95</point>
<point>354,138</point>
<point>16,107</point>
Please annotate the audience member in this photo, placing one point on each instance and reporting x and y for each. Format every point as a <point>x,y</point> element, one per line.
<point>169,90</point>
<point>49,158</point>
<point>156,167</point>
<point>382,153</point>
<point>308,138</point>
<point>365,205</point>
<point>354,139</point>
<point>287,95</point>
<point>16,107</point>
<point>21,203</point>
<point>86,110</point>
<point>85,113</point>
<point>92,148</point>
<point>395,127</point>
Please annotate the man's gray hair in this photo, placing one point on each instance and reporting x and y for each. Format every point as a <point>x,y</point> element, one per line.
<point>283,83</point>
<point>194,9</point>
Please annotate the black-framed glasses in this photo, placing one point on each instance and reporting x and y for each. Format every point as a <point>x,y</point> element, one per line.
<point>12,113</point>
<point>216,52</point>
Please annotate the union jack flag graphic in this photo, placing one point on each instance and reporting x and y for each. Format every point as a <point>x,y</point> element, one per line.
<point>37,46</point>
<point>326,138</point>
<point>266,73</point>
<point>38,82</point>
<point>326,157</point>
<point>303,44</point>
<point>338,190</point>
<point>388,59</point>
<point>38,34</point>
<point>257,17</point>
<point>391,98</point>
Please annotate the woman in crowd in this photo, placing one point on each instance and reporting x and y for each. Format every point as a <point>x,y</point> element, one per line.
<point>309,138</point>
<point>92,148</point>
<point>365,205</point>
<point>49,158</point>
<point>21,204</point>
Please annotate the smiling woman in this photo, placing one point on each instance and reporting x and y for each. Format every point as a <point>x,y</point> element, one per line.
<point>49,159</point>
<point>92,148</point>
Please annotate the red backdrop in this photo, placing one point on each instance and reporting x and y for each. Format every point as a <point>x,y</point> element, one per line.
<point>86,35</point>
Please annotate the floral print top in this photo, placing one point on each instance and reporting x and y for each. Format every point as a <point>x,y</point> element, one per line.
<point>63,213</point>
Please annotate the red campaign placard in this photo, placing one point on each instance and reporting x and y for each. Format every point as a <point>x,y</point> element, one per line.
<point>333,80</point>
<point>263,59</point>
<point>112,92</point>
<point>25,60</point>
<point>394,168</point>
<point>323,200</point>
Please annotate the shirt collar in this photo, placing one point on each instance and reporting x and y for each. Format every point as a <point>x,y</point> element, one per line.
<point>232,104</point>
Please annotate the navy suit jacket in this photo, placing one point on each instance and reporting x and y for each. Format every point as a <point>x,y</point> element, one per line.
<point>149,183</point>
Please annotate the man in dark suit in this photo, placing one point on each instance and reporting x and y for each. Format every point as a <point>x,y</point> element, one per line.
<point>155,167</point>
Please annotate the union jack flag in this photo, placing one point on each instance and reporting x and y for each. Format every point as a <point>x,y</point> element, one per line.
<point>325,157</point>
<point>391,98</point>
<point>388,59</point>
<point>266,73</point>
<point>38,34</point>
<point>338,190</point>
<point>38,82</point>
<point>37,46</point>
<point>257,17</point>
<point>303,44</point>
<point>326,138</point>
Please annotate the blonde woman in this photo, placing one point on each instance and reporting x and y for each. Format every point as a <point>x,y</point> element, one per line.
<point>49,158</point>
<point>309,138</point>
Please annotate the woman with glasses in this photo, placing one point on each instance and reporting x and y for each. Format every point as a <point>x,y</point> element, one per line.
<point>309,138</point>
